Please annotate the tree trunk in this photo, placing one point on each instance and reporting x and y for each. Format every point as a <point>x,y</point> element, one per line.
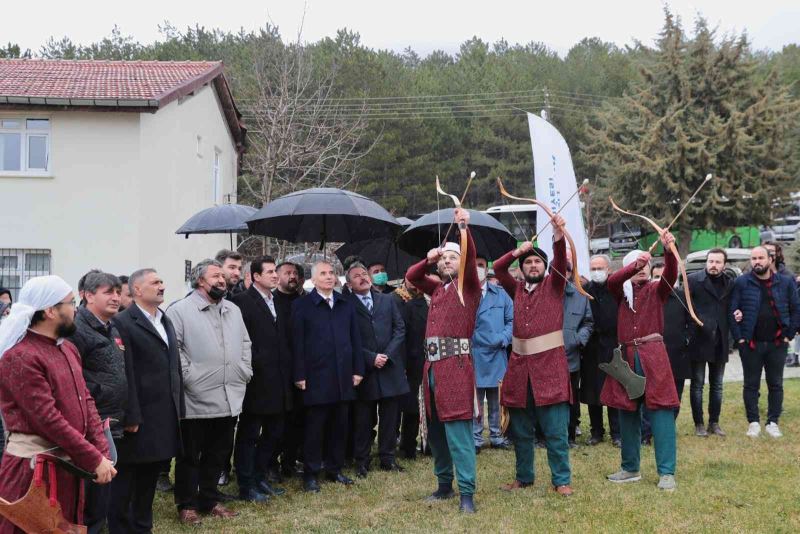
<point>684,241</point>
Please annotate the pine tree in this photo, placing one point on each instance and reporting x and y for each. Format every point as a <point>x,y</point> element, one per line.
<point>699,107</point>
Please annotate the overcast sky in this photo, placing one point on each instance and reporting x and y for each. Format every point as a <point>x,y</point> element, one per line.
<point>424,25</point>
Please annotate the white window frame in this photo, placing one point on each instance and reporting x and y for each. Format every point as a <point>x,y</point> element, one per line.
<point>26,134</point>
<point>216,177</point>
<point>20,270</point>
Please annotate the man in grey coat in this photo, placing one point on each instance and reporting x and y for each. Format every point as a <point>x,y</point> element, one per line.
<point>216,366</point>
<point>578,326</point>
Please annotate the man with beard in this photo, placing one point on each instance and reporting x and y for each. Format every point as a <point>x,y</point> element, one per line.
<point>44,399</point>
<point>766,313</point>
<point>449,374</point>
<point>125,297</point>
<point>287,291</point>
<point>708,345</point>
<point>232,267</point>
<point>640,326</point>
<point>216,366</point>
<point>599,350</point>
<point>536,386</point>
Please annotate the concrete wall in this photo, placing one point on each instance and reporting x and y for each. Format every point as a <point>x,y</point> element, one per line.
<point>120,185</point>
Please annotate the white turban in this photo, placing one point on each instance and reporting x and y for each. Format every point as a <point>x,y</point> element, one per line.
<point>627,287</point>
<point>452,247</point>
<point>37,294</point>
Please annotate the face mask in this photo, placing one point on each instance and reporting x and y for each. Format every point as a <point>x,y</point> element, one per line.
<point>216,293</point>
<point>598,276</point>
<point>380,279</point>
<point>481,274</point>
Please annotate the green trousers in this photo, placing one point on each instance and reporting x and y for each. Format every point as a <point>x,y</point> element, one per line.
<point>662,423</point>
<point>451,443</point>
<point>554,420</point>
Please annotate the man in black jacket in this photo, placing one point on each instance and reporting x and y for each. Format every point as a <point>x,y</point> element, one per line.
<point>599,350</point>
<point>155,404</point>
<point>708,345</point>
<point>269,393</point>
<point>104,369</point>
<point>382,334</point>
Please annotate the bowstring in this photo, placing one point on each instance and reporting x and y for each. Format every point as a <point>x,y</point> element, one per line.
<point>439,230</point>
<point>671,287</point>
<point>522,229</point>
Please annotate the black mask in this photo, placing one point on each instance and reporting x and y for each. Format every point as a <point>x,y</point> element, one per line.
<point>216,293</point>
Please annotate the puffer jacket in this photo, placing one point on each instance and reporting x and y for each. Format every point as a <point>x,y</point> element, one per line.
<point>103,360</point>
<point>578,326</point>
<point>746,296</point>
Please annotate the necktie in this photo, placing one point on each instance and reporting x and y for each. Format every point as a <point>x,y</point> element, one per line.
<point>368,303</point>
<point>330,302</point>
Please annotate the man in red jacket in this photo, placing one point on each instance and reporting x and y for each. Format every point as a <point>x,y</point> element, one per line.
<point>536,386</point>
<point>448,372</point>
<point>640,328</point>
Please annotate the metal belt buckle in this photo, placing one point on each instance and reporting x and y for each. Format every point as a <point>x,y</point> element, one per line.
<point>449,347</point>
<point>433,352</point>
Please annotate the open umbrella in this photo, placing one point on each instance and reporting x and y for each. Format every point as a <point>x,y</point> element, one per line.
<point>491,238</point>
<point>323,214</point>
<point>222,219</point>
<point>405,222</point>
<point>383,250</point>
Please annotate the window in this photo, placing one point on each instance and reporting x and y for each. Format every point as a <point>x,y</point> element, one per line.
<point>216,176</point>
<point>24,146</point>
<point>17,266</point>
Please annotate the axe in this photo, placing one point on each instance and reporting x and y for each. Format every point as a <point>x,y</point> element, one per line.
<point>619,370</point>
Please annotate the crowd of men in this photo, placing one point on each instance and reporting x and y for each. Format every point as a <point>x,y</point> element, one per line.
<point>252,373</point>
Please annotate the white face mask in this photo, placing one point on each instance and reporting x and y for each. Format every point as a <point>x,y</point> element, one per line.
<point>481,274</point>
<point>598,276</point>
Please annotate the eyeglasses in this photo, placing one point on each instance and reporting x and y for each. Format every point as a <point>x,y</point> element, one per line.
<point>68,303</point>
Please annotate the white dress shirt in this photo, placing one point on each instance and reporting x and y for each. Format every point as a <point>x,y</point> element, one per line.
<point>156,322</point>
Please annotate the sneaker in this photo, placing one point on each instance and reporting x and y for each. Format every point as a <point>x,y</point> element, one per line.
<point>700,431</point>
<point>622,477</point>
<point>773,430</point>
<point>667,483</point>
<point>754,429</point>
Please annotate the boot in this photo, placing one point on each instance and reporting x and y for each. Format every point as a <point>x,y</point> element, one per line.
<point>445,491</point>
<point>467,505</point>
<point>713,428</point>
<point>700,430</point>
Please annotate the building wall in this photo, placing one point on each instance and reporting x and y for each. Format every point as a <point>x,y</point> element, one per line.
<point>80,212</point>
<point>120,185</point>
<point>176,182</point>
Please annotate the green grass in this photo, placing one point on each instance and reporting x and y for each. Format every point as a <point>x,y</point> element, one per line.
<point>735,484</point>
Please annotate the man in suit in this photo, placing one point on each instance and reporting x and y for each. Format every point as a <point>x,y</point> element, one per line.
<point>708,345</point>
<point>269,393</point>
<point>382,334</point>
<point>155,404</point>
<point>328,366</point>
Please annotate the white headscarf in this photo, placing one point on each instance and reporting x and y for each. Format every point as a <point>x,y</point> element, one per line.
<point>627,286</point>
<point>37,294</point>
<point>452,247</point>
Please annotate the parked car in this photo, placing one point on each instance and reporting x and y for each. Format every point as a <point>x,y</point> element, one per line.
<point>599,245</point>
<point>785,228</point>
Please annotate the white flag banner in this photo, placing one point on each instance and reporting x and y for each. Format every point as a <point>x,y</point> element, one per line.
<point>554,180</point>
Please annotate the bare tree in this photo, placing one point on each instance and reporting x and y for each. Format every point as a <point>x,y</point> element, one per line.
<point>300,135</point>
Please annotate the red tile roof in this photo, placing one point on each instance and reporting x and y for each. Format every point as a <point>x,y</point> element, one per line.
<point>121,85</point>
<point>103,80</point>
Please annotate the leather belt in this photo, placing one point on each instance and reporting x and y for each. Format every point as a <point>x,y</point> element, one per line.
<point>538,344</point>
<point>650,338</point>
<point>440,348</point>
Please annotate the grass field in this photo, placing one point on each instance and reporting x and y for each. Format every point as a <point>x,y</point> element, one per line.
<point>735,484</point>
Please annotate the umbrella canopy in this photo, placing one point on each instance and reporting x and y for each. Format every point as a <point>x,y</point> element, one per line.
<point>384,250</point>
<point>405,222</point>
<point>323,214</point>
<point>222,219</point>
<point>491,238</point>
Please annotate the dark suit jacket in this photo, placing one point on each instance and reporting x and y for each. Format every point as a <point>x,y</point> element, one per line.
<point>327,348</point>
<point>382,332</point>
<point>270,389</point>
<point>712,309</point>
<point>155,396</point>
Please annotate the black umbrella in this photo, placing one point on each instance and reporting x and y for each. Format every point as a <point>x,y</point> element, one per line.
<point>323,214</point>
<point>222,219</point>
<point>491,238</point>
<point>384,250</point>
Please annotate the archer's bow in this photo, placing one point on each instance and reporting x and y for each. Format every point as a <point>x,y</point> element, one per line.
<point>464,242</point>
<point>576,279</point>
<point>674,251</point>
